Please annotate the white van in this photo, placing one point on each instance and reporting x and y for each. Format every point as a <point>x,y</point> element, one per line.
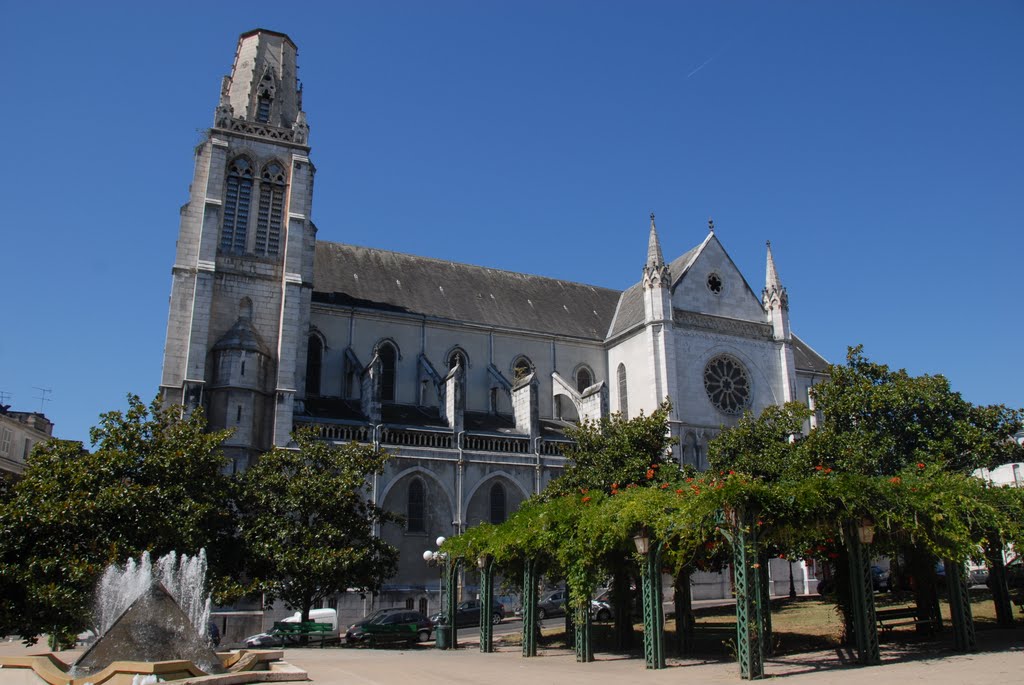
<point>264,640</point>
<point>317,616</point>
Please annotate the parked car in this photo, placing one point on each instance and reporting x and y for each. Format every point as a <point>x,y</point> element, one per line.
<point>977,576</point>
<point>880,579</point>
<point>551,604</point>
<point>390,624</point>
<point>601,610</point>
<point>468,613</point>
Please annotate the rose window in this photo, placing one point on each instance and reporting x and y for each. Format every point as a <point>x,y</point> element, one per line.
<point>727,384</point>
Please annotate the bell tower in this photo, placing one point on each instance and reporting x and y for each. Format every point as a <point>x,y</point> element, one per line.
<point>243,273</point>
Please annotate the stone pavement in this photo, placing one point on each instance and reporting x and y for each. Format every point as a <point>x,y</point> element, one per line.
<point>1000,660</point>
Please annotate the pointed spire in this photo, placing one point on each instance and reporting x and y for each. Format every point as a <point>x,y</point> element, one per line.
<point>654,256</point>
<point>655,269</point>
<point>774,292</point>
<point>771,277</point>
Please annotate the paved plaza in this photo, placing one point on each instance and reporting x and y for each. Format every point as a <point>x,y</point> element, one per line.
<point>1000,660</point>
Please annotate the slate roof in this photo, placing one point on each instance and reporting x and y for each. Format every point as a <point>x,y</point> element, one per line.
<point>630,309</point>
<point>807,359</point>
<point>391,281</point>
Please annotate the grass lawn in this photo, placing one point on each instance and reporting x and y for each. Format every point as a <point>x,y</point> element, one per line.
<point>799,625</point>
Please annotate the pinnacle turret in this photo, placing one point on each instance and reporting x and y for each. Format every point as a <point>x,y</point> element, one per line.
<point>655,269</point>
<point>774,293</point>
<point>262,96</point>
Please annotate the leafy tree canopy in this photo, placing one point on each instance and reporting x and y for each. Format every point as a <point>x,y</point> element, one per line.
<point>767,446</point>
<point>152,482</point>
<point>308,525</point>
<point>877,421</point>
<point>614,452</point>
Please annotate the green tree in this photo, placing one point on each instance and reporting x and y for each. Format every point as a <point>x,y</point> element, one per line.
<point>308,525</point>
<point>152,482</point>
<point>878,421</point>
<point>615,452</point>
<point>766,447</point>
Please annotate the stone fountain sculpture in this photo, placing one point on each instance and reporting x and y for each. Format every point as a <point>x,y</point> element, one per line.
<point>152,622</point>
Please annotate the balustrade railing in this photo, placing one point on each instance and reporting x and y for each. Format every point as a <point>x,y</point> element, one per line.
<point>436,439</point>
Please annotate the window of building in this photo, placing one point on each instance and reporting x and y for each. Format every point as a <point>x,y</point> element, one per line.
<point>263,108</point>
<point>414,510</point>
<point>314,364</point>
<point>5,442</point>
<point>270,212</point>
<point>388,361</point>
<point>714,283</point>
<point>423,606</point>
<point>521,368</point>
<point>584,379</point>
<point>457,356</point>
<point>410,603</point>
<point>332,603</point>
<point>498,511</point>
<point>623,395</point>
<point>727,384</point>
<point>351,379</point>
<point>237,203</point>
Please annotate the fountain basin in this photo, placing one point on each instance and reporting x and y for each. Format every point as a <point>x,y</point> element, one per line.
<point>243,666</point>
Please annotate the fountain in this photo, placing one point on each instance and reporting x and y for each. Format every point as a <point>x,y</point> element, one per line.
<point>152,622</point>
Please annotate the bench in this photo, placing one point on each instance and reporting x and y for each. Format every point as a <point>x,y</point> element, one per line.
<point>286,630</point>
<point>899,616</point>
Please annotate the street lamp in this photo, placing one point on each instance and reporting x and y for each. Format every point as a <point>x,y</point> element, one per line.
<point>866,531</point>
<point>642,541</point>
<point>654,645</point>
<point>446,637</point>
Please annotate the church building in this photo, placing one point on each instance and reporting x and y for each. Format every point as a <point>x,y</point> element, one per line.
<point>468,375</point>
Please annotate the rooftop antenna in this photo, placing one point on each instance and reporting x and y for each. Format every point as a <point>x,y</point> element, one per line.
<point>4,396</point>
<point>43,399</point>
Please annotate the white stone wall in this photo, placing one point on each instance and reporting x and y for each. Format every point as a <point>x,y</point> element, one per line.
<point>736,301</point>
<point>695,349</point>
<point>636,353</point>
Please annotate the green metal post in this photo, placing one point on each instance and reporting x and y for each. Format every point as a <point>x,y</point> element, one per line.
<point>764,603</point>
<point>747,585</point>
<point>530,627</point>
<point>654,618</point>
<point>862,598</point>
<point>451,600</point>
<point>486,610</point>
<point>960,608</point>
<point>581,626</point>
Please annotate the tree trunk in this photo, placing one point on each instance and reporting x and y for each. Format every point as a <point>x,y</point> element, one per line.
<point>622,599</point>
<point>682,597</point>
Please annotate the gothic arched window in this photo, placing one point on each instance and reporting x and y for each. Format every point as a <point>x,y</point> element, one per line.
<point>314,363</point>
<point>623,395</point>
<point>237,201</point>
<point>521,368</point>
<point>270,213</point>
<point>415,507</point>
<point>498,510</point>
<point>584,379</point>
<point>388,361</point>
<point>263,108</point>
<point>457,355</point>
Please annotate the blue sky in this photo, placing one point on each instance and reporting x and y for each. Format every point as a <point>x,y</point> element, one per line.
<point>878,145</point>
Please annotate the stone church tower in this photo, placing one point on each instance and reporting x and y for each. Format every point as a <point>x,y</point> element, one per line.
<point>243,273</point>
